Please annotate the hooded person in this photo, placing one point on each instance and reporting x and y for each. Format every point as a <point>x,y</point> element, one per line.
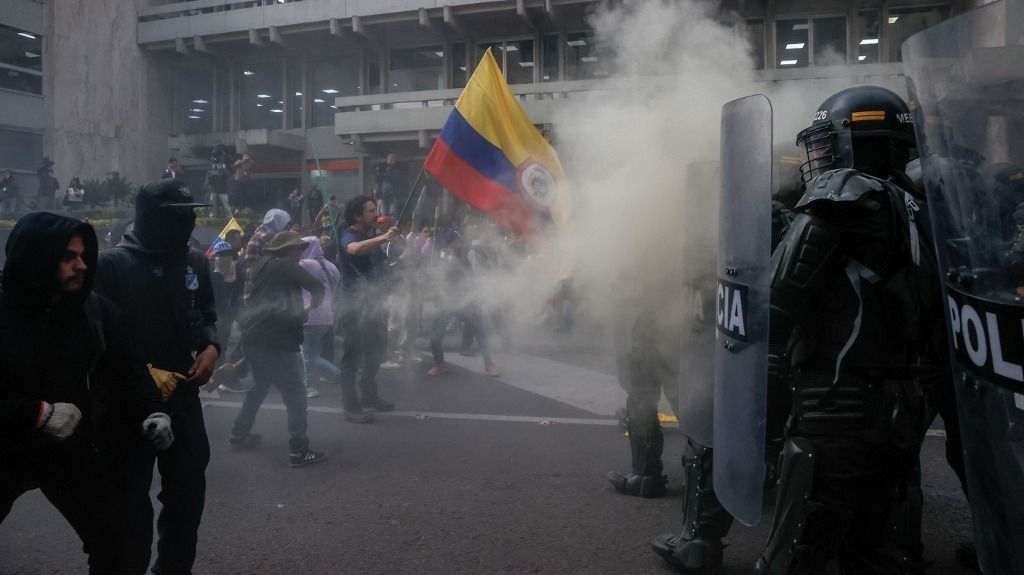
<point>69,379</point>
<point>166,293</point>
<point>275,221</point>
<point>319,325</point>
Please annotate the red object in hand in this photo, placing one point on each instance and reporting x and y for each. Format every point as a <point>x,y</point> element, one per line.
<point>385,221</point>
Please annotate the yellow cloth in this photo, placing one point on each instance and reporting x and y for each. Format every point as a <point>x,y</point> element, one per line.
<point>166,381</point>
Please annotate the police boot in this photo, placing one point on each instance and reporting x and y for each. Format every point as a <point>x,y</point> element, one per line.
<point>695,556</point>
<point>647,486</point>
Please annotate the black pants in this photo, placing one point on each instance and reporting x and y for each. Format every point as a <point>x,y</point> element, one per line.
<point>365,332</point>
<point>74,482</point>
<point>182,491</point>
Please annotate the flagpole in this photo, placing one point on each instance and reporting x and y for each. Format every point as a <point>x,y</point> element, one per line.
<point>408,199</point>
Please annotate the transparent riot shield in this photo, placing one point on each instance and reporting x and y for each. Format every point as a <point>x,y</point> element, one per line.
<point>966,85</point>
<point>741,310</point>
<point>696,372</point>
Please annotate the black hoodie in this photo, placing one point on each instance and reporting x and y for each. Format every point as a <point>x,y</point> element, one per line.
<point>72,351</point>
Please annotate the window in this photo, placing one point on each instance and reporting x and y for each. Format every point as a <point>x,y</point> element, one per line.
<point>755,31</point>
<point>584,59</point>
<point>460,65</point>
<point>415,69</point>
<point>519,61</point>
<point>865,34</point>
<point>549,58</point>
<point>194,99</point>
<point>261,101</point>
<point>295,96</point>
<point>829,41</point>
<point>496,51</point>
<point>20,150</point>
<point>21,60</point>
<point>901,23</point>
<point>791,43</point>
<point>331,79</point>
<point>796,39</point>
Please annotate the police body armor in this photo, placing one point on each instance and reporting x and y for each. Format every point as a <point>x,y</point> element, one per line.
<point>966,78</point>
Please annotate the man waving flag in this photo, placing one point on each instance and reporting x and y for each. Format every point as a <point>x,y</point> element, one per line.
<point>492,157</point>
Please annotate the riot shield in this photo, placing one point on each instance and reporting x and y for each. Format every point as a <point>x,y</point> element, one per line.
<point>697,343</point>
<point>741,310</point>
<point>966,85</point>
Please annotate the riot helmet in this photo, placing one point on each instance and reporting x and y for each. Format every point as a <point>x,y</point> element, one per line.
<point>868,128</point>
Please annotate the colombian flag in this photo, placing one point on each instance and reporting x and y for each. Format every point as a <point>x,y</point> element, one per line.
<point>222,236</point>
<point>492,157</point>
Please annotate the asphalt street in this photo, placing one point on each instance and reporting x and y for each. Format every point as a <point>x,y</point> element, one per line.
<point>470,475</point>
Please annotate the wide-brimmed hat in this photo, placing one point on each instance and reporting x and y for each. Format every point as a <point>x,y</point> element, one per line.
<point>285,241</point>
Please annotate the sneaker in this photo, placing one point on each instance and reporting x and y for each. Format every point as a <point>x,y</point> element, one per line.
<point>437,370</point>
<point>491,370</point>
<point>377,404</point>
<point>357,416</point>
<point>305,458</point>
<point>247,441</point>
<point>390,365</point>
<point>311,392</point>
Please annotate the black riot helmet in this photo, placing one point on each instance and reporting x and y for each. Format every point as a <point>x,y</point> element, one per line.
<point>868,128</point>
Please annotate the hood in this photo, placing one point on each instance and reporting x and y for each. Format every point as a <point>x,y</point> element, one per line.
<point>313,249</point>
<point>276,220</point>
<point>34,250</point>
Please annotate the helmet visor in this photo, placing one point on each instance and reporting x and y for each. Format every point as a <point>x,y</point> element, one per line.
<point>818,142</point>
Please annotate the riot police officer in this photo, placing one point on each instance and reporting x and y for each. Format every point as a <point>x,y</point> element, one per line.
<point>854,299</point>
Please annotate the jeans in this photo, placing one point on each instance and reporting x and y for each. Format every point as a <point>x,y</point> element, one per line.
<point>365,331</point>
<point>474,327</point>
<point>283,369</point>
<point>312,353</point>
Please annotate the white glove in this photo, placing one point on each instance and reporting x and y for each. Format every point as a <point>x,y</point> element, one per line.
<point>157,430</point>
<point>60,419</point>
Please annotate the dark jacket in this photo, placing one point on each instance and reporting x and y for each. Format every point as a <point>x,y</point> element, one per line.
<point>274,314</point>
<point>72,351</point>
<point>168,321</point>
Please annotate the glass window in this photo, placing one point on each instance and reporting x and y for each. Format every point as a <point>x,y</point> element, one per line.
<point>20,151</point>
<point>496,51</point>
<point>223,101</point>
<point>460,69</point>
<point>519,61</point>
<point>20,81</point>
<point>865,34</point>
<point>901,23</point>
<point>583,57</point>
<point>372,75</point>
<point>195,99</point>
<point>755,31</point>
<point>549,59</point>
<point>830,41</point>
<point>260,97</point>
<point>331,79</point>
<point>295,96</point>
<point>414,69</point>
<point>791,39</point>
<point>21,49</point>
<point>21,60</point>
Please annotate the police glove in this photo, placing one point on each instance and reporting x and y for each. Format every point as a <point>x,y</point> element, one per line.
<point>166,381</point>
<point>157,430</point>
<point>59,419</point>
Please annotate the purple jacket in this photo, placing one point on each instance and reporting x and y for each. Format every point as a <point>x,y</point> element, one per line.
<point>313,262</point>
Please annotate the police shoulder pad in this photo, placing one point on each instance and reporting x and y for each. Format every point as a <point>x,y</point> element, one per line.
<point>844,185</point>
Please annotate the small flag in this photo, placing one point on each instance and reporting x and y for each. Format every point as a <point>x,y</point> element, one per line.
<point>492,157</point>
<point>223,235</point>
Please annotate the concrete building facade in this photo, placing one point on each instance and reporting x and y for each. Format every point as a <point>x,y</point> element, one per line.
<point>325,89</point>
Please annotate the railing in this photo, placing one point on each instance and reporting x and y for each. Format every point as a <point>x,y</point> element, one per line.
<point>197,7</point>
<point>441,98</point>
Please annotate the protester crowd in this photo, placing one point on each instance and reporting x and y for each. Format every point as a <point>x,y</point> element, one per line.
<point>116,346</point>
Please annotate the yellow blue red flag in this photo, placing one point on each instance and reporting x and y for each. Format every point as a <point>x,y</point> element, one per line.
<point>492,157</point>
<point>223,235</point>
